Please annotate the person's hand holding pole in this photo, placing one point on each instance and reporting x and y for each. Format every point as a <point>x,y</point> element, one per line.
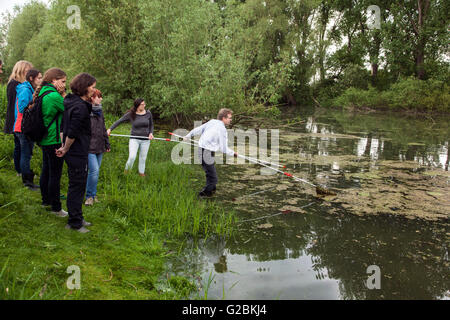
<point>108,132</point>
<point>150,136</point>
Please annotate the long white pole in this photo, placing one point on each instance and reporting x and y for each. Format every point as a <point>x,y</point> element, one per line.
<point>247,158</point>
<point>142,137</point>
<point>255,161</point>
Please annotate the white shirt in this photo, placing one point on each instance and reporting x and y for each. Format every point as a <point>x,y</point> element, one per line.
<point>214,136</point>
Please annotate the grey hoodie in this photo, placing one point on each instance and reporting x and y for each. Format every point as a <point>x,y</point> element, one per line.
<point>141,126</point>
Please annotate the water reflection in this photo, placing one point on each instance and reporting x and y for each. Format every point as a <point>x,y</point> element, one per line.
<point>361,147</point>
<point>435,155</point>
<point>326,257</point>
<point>318,255</point>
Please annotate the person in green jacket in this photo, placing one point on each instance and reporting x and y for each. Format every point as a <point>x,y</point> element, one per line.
<point>54,80</point>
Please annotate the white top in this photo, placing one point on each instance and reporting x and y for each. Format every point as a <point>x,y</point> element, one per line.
<point>214,136</point>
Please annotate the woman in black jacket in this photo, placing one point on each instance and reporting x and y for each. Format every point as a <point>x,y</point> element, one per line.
<point>77,137</point>
<point>99,144</point>
<point>17,77</point>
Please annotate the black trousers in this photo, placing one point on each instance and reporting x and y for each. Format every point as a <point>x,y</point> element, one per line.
<point>50,180</point>
<point>209,168</point>
<point>77,168</point>
<point>17,154</point>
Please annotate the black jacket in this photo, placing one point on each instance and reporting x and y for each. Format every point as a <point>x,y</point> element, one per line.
<point>99,137</point>
<point>76,125</point>
<point>11,95</point>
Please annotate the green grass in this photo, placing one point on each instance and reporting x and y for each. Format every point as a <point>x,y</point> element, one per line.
<point>3,101</point>
<point>124,255</point>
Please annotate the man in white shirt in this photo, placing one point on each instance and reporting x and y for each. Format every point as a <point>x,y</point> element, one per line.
<point>214,137</point>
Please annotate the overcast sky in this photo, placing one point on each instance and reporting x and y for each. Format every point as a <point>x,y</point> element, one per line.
<point>8,5</point>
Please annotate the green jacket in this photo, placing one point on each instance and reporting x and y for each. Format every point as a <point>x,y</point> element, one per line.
<point>52,105</point>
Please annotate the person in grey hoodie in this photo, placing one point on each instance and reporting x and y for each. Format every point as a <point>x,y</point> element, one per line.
<point>142,126</point>
<point>99,145</point>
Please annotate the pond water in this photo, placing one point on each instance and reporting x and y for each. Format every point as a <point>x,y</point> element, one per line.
<point>391,208</point>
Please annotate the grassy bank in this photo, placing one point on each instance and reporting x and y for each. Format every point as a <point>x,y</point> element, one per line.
<point>408,95</point>
<point>124,255</point>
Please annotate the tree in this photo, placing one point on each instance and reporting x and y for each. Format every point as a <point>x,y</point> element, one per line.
<point>416,30</point>
<point>24,26</point>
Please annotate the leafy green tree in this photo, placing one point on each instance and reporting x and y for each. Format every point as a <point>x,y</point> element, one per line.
<point>189,58</point>
<point>416,32</point>
<point>23,27</point>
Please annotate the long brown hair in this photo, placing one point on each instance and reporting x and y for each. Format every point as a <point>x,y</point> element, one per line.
<point>136,105</point>
<point>49,75</point>
<point>31,75</point>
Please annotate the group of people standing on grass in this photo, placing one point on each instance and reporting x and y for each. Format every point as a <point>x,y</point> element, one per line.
<point>76,134</point>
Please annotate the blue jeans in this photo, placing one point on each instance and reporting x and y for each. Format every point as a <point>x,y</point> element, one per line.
<point>26,151</point>
<point>94,163</point>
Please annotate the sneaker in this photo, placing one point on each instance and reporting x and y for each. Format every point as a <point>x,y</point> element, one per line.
<point>81,230</point>
<point>86,224</point>
<point>142,174</point>
<point>27,179</point>
<point>96,199</point>
<point>33,187</point>
<point>204,194</point>
<point>61,213</point>
<point>89,201</point>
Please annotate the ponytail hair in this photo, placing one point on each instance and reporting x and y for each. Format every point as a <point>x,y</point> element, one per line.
<point>136,105</point>
<point>49,76</point>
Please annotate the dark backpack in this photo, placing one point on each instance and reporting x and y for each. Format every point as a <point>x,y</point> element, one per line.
<point>33,121</point>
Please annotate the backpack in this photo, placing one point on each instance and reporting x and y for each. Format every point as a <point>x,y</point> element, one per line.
<point>33,121</point>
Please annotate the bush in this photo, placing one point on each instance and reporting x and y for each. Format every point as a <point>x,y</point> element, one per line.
<point>358,98</point>
<point>355,76</point>
<point>408,95</point>
<point>420,96</point>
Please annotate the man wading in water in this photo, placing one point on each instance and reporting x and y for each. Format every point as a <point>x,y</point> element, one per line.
<point>214,137</point>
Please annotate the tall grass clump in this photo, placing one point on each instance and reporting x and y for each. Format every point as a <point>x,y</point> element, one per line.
<point>165,199</point>
<point>3,104</point>
<point>411,95</point>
